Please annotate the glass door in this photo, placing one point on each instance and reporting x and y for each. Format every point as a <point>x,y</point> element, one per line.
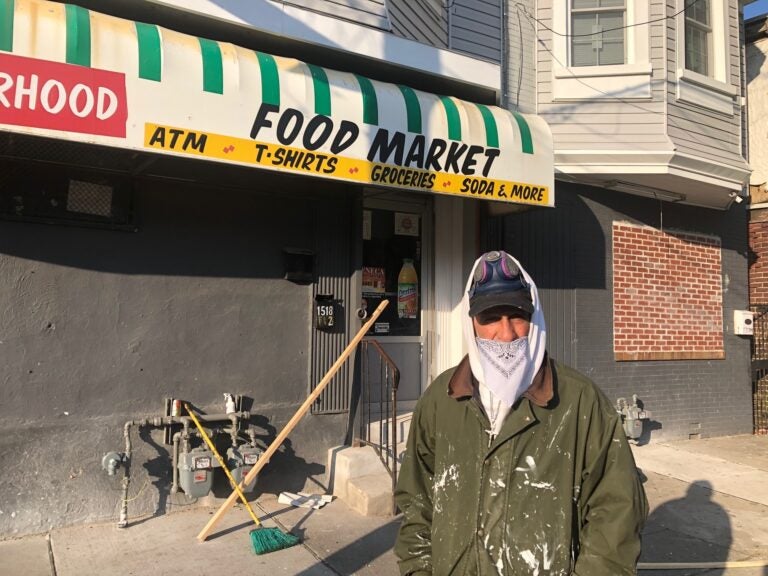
<point>394,267</point>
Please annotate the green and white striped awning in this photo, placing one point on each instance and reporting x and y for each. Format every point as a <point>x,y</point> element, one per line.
<point>70,73</point>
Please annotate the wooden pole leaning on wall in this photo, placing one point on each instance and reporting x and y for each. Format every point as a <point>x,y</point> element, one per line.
<point>280,438</point>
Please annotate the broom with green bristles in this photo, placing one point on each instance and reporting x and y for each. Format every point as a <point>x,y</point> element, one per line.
<point>264,540</point>
<point>261,538</point>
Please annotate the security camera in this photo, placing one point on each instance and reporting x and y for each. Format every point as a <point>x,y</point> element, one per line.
<point>735,197</point>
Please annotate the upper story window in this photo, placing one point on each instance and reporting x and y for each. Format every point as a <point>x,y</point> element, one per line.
<point>600,50</point>
<point>705,72</point>
<point>598,32</point>
<point>698,37</point>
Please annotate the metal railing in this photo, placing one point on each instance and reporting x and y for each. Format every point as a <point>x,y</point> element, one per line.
<point>760,369</point>
<point>379,380</point>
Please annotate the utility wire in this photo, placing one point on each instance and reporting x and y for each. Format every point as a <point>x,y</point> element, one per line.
<point>531,21</point>
<point>522,9</point>
<point>634,24</point>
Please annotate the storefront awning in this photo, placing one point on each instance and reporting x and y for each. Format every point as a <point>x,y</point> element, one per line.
<point>74,74</point>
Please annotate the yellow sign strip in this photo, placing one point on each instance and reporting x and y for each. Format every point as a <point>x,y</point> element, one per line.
<point>277,157</point>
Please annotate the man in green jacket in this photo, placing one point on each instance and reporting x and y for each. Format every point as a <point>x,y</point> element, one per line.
<point>516,465</point>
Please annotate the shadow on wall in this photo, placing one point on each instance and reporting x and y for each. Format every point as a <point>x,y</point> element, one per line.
<point>548,242</point>
<point>568,247</point>
<point>728,225</point>
<point>186,217</point>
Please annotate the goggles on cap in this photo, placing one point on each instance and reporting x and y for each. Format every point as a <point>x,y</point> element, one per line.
<point>497,272</point>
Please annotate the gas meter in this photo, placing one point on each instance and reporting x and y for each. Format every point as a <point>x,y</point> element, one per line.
<point>196,472</point>
<point>240,460</point>
<point>632,417</point>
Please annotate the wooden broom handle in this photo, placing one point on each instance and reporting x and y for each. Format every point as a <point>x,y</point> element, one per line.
<point>276,443</point>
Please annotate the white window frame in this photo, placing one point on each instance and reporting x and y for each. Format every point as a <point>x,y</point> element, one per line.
<point>714,90</point>
<point>629,81</point>
<point>706,29</point>
<point>595,11</point>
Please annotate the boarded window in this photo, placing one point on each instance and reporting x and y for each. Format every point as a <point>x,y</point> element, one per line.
<point>667,290</point>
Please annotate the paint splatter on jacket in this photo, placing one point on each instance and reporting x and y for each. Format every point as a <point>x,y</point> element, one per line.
<point>555,493</point>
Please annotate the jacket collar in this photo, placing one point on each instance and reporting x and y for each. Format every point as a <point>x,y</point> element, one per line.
<point>463,384</point>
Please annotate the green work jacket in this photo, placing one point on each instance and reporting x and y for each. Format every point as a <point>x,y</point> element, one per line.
<point>555,493</point>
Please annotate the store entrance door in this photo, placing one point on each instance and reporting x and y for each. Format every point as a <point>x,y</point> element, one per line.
<point>395,257</point>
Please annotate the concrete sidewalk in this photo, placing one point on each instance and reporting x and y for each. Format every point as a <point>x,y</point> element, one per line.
<point>709,503</point>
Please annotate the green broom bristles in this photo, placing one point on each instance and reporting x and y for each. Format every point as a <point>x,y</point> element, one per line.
<point>266,540</point>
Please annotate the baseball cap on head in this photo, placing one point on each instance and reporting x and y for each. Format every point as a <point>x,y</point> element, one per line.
<point>498,281</point>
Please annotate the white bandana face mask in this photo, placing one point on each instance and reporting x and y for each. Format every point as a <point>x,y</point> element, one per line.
<point>505,365</point>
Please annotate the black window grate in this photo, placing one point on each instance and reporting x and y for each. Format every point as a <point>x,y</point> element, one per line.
<point>55,194</point>
<point>760,369</point>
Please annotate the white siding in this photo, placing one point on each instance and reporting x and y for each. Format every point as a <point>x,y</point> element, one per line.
<point>693,129</point>
<point>607,123</point>
<point>656,123</point>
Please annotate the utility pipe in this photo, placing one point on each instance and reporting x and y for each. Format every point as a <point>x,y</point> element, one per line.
<point>175,463</point>
<point>251,435</point>
<point>233,430</point>
<point>156,422</point>
<point>123,520</point>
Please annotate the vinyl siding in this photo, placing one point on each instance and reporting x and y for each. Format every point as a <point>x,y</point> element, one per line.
<point>472,27</point>
<point>475,28</point>
<point>607,123</point>
<point>368,12</point>
<point>424,21</point>
<point>658,123</point>
<point>693,129</point>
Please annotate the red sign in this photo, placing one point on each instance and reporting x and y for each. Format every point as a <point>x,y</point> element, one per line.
<point>44,94</point>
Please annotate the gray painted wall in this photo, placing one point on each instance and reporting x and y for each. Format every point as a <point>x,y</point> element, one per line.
<point>99,326</point>
<point>568,250</point>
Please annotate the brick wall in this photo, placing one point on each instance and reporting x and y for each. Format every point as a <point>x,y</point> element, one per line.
<point>667,290</point>
<point>758,262</point>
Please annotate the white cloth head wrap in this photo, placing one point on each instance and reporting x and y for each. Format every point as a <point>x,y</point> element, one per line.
<point>537,336</point>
